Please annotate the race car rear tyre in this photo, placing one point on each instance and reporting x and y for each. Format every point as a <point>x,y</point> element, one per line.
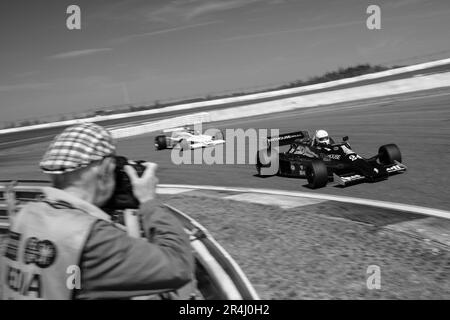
<point>160,142</point>
<point>389,153</point>
<point>185,145</point>
<point>267,162</point>
<point>317,174</point>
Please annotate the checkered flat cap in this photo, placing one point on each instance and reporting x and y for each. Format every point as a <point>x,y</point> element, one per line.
<point>76,147</point>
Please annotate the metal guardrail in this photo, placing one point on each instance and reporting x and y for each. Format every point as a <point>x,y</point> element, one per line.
<point>220,255</point>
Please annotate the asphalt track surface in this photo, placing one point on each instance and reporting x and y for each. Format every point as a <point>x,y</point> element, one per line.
<point>419,124</point>
<point>420,127</point>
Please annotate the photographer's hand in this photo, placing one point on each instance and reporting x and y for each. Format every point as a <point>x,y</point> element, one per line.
<point>144,188</point>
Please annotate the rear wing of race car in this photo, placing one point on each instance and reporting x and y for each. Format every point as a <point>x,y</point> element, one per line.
<point>288,138</point>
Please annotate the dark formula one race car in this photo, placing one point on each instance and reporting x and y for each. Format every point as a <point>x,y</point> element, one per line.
<point>321,164</point>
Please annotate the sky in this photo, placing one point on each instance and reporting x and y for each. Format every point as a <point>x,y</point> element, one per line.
<point>139,51</point>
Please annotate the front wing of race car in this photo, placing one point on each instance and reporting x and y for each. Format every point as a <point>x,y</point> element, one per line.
<point>352,178</point>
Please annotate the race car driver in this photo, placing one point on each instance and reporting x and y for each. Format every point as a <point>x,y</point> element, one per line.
<point>64,246</point>
<point>321,138</point>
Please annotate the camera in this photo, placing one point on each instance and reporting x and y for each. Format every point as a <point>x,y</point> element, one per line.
<point>123,197</point>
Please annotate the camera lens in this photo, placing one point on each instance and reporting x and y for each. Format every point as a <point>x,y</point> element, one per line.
<point>123,197</point>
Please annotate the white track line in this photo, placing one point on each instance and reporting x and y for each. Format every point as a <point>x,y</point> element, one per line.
<point>285,202</point>
<point>367,202</point>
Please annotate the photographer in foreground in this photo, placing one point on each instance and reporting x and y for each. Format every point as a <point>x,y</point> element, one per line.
<point>66,229</point>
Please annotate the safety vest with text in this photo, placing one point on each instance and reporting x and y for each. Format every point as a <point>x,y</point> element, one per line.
<point>41,259</point>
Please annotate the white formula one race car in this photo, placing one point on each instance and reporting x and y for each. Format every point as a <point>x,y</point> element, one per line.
<point>187,138</point>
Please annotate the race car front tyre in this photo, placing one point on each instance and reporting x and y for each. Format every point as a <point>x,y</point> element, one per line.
<point>185,145</point>
<point>267,162</point>
<point>389,153</point>
<point>160,142</point>
<point>317,174</point>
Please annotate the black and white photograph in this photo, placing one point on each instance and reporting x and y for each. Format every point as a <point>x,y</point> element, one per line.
<point>246,152</point>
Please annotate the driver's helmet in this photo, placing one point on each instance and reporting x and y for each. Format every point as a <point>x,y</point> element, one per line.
<point>321,137</point>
